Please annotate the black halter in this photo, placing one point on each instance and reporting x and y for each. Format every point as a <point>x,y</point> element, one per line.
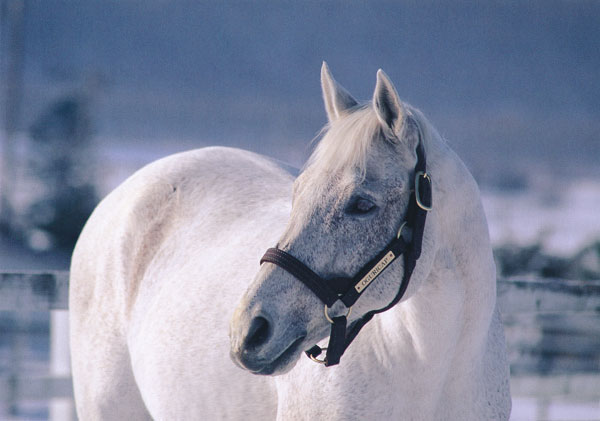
<point>408,243</point>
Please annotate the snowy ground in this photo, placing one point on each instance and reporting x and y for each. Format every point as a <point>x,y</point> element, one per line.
<point>562,217</point>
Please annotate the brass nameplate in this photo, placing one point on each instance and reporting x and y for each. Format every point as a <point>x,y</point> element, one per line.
<point>373,273</point>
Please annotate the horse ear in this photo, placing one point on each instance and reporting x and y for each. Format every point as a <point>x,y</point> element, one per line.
<point>387,105</point>
<point>337,99</point>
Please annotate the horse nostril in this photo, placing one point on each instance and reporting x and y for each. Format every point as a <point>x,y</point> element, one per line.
<point>258,333</point>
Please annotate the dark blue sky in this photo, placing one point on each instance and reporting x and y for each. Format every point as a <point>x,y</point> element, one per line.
<point>510,84</point>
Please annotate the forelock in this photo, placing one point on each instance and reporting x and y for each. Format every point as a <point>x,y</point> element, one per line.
<point>347,141</point>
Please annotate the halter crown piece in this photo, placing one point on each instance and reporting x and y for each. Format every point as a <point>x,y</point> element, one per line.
<point>348,290</point>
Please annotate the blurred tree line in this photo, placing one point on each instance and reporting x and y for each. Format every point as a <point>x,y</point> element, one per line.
<point>60,160</point>
<point>54,188</point>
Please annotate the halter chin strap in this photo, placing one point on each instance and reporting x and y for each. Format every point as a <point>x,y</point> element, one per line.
<point>408,243</point>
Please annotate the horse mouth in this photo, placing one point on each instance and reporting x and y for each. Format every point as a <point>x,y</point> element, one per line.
<point>281,364</point>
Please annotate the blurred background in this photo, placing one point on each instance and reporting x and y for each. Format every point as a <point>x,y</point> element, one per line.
<point>92,90</point>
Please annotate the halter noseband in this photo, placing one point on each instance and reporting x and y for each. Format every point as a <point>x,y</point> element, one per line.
<point>348,290</point>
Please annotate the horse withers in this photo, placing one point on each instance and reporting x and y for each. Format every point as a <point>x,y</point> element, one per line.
<point>166,257</point>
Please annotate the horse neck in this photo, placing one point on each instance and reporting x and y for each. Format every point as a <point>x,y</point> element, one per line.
<point>443,327</point>
<point>463,245</point>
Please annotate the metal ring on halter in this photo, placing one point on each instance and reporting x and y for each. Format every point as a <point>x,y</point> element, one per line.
<point>400,230</point>
<point>315,359</point>
<point>329,318</point>
<point>417,193</point>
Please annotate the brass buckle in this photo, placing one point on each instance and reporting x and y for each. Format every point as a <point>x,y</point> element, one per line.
<point>329,318</point>
<point>417,194</point>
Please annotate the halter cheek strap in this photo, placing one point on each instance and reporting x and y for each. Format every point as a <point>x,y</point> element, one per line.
<point>349,290</point>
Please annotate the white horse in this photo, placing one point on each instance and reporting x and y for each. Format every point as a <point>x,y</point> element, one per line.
<point>165,258</point>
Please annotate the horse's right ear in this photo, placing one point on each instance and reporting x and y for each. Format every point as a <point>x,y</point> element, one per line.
<point>337,99</point>
<point>387,104</point>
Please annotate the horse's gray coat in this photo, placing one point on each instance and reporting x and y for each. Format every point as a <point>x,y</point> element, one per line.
<point>164,259</point>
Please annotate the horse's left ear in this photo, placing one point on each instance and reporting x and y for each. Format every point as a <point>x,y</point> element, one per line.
<point>387,105</point>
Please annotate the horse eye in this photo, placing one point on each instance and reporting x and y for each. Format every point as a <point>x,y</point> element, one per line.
<point>361,206</point>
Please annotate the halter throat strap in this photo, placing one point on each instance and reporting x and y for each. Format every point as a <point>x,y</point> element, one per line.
<point>349,290</point>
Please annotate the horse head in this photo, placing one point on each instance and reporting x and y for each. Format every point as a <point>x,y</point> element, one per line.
<point>349,202</point>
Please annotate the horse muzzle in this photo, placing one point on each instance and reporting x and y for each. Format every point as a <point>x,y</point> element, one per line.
<point>257,346</point>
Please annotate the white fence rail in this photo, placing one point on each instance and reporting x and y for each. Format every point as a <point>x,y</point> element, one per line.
<point>552,330</point>
<point>26,296</point>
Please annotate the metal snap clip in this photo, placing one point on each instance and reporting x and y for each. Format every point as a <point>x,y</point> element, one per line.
<point>417,192</point>
<point>315,359</point>
<point>329,318</point>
